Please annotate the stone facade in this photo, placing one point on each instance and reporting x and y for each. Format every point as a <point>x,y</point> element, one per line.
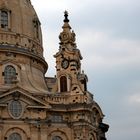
<point>35,107</point>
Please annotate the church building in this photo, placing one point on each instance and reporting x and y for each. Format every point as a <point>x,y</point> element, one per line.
<point>33,106</point>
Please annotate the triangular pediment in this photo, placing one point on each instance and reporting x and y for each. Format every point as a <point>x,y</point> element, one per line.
<point>32,100</point>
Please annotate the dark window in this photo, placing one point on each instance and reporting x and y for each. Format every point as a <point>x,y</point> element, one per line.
<point>84,82</point>
<point>56,118</point>
<point>63,84</point>
<point>15,108</point>
<point>9,74</point>
<point>57,138</point>
<point>36,27</point>
<point>37,30</point>
<point>85,85</point>
<point>15,136</point>
<point>4,19</point>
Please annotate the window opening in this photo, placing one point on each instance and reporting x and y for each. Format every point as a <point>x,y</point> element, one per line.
<point>56,118</point>
<point>57,138</point>
<point>15,108</point>
<point>63,84</point>
<point>36,26</point>
<point>4,19</point>
<point>9,74</point>
<point>15,136</point>
<point>84,82</point>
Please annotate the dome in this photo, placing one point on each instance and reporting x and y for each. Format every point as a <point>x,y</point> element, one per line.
<point>20,26</point>
<point>21,53</point>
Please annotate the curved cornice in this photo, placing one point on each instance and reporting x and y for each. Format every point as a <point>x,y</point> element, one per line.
<point>23,51</point>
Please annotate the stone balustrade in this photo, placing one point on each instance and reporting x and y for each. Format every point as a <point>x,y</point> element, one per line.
<point>65,99</point>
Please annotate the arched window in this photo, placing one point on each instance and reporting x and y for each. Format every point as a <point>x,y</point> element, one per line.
<point>4,19</point>
<point>36,27</point>
<point>84,82</point>
<point>57,138</point>
<point>15,136</point>
<point>63,84</point>
<point>9,74</point>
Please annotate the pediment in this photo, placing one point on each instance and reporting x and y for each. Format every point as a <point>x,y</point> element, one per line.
<point>9,61</point>
<point>31,100</point>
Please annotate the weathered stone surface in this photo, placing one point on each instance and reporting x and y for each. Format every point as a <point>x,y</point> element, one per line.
<point>35,107</point>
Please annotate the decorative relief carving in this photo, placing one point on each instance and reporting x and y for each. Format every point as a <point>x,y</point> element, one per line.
<point>67,37</point>
<point>20,41</point>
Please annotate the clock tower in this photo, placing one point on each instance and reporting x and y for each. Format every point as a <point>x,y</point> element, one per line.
<point>68,62</point>
<point>83,113</point>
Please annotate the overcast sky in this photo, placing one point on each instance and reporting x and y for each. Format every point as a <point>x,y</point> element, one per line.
<point>108,35</point>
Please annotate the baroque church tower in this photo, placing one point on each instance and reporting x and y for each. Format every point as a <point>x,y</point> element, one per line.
<point>35,107</point>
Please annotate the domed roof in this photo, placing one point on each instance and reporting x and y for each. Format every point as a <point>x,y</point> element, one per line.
<point>21,51</point>
<point>20,26</point>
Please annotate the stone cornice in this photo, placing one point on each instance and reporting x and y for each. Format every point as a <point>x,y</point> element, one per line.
<point>23,51</point>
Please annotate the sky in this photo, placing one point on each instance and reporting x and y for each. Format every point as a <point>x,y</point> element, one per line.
<point>108,36</point>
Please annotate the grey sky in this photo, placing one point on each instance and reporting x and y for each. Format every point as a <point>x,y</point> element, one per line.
<point>108,35</point>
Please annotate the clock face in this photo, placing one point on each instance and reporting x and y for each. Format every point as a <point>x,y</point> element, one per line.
<point>65,63</point>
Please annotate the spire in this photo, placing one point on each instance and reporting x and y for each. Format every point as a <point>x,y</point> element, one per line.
<point>66,25</point>
<point>66,16</point>
<point>67,36</point>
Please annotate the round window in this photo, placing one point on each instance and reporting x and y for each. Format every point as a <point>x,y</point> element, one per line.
<point>15,108</point>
